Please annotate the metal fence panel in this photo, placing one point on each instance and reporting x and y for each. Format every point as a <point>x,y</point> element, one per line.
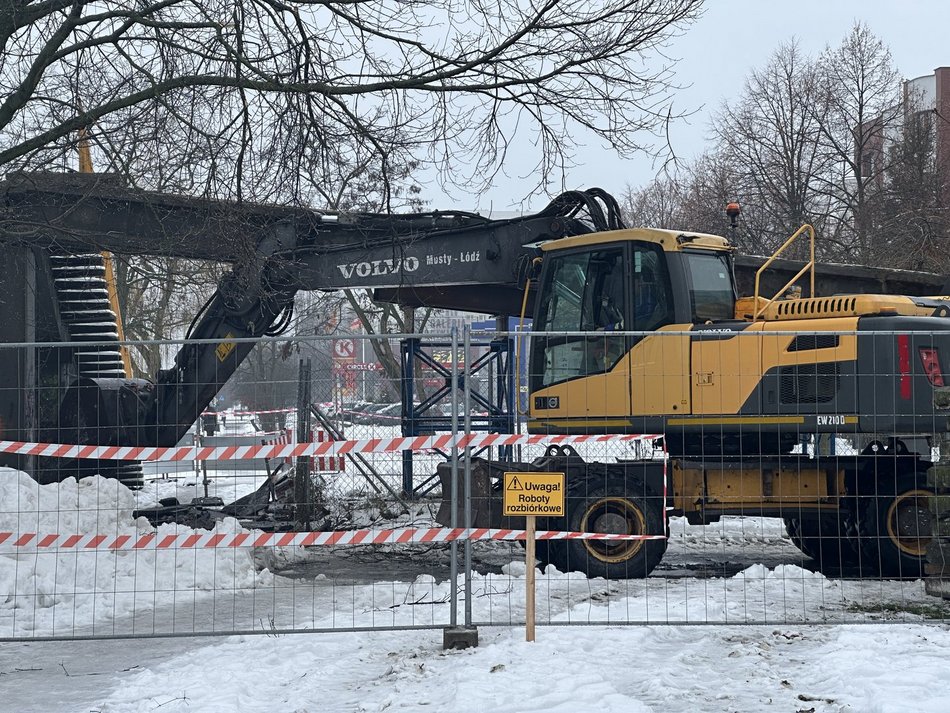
<point>780,502</point>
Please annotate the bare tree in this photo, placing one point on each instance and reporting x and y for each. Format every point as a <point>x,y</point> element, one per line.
<point>330,103</point>
<point>159,297</point>
<point>694,199</point>
<point>460,84</point>
<point>267,381</point>
<point>711,183</point>
<point>658,205</point>
<point>863,109</point>
<point>833,142</point>
<point>915,218</point>
<point>771,137</point>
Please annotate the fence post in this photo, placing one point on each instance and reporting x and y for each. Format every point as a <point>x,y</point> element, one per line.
<point>407,390</point>
<point>467,407</point>
<point>454,522</point>
<point>302,495</point>
<point>455,636</point>
<point>30,386</point>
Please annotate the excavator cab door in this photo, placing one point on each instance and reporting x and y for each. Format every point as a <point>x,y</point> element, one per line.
<point>601,290</point>
<point>658,363</point>
<point>573,374</point>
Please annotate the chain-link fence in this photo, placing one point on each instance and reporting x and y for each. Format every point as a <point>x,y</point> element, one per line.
<point>352,482</point>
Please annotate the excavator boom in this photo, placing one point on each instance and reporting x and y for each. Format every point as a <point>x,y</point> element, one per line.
<point>273,252</point>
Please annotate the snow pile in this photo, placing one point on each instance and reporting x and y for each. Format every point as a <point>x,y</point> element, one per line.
<point>780,595</point>
<point>61,592</point>
<point>760,573</point>
<point>786,666</point>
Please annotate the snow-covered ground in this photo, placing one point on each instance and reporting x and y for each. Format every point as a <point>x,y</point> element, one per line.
<point>608,670</point>
<point>876,668</point>
<point>762,639</point>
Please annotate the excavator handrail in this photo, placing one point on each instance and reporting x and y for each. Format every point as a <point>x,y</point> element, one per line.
<point>810,265</point>
<point>524,308</point>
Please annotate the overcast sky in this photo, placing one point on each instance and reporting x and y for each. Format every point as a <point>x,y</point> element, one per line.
<point>718,51</point>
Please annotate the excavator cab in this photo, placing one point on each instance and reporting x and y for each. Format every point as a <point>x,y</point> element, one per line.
<point>600,288</point>
<point>595,363</point>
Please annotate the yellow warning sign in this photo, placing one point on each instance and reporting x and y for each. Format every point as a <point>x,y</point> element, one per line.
<point>224,349</point>
<point>534,494</point>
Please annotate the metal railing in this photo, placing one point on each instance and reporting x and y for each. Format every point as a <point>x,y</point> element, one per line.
<point>761,306</point>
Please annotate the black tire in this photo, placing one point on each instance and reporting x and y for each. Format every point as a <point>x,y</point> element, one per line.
<point>618,506</point>
<point>895,528</point>
<point>826,539</point>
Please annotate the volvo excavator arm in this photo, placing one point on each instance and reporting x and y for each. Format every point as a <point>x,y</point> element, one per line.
<point>444,258</point>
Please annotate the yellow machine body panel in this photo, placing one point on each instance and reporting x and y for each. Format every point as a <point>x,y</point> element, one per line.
<point>604,397</point>
<point>751,488</point>
<point>668,240</point>
<point>647,380</point>
<point>810,308</point>
<point>657,368</point>
<point>682,373</point>
<point>725,372</point>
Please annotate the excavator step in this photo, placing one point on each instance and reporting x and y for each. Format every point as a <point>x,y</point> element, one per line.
<point>83,298</point>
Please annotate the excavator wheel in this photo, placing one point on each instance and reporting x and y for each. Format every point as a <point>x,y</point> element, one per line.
<point>826,539</point>
<point>895,527</point>
<point>611,505</point>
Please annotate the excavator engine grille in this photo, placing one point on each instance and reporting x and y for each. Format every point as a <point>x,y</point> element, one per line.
<point>808,383</point>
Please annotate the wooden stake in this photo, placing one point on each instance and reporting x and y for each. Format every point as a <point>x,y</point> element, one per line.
<point>529,579</point>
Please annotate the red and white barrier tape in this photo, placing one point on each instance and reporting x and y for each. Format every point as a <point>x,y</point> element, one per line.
<point>210,540</point>
<point>326,448</point>
<point>332,464</point>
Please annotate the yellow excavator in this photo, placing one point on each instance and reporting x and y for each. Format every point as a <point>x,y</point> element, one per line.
<point>819,410</point>
<point>634,331</point>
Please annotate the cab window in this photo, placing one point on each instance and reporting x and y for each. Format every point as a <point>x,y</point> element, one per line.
<point>601,291</point>
<point>582,292</point>
<point>711,291</point>
<point>652,296</point>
